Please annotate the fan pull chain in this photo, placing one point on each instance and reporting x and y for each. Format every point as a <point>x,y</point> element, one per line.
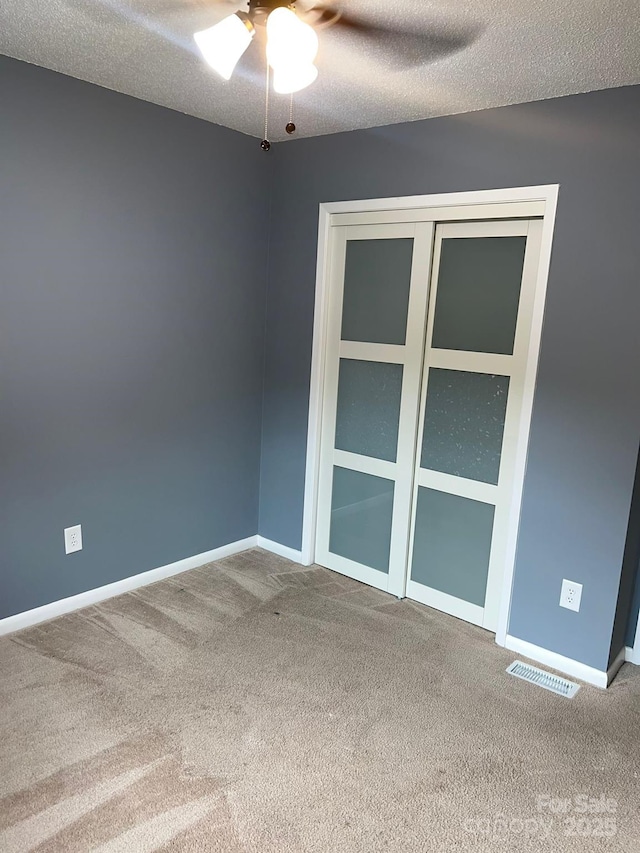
<point>290,126</point>
<point>265,144</point>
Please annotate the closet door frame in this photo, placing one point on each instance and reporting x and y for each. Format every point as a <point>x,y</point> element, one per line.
<point>523,202</point>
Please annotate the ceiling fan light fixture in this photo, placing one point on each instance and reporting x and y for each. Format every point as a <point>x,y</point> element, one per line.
<point>289,40</point>
<point>292,78</point>
<point>223,44</point>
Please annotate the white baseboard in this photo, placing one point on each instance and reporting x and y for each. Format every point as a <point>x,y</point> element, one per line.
<point>632,655</point>
<point>568,666</point>
<point>281,550</point>
<point>93,596</point>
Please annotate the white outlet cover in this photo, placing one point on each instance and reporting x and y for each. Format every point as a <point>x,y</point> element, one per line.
<point>571,595</point>
<point>73,539</point>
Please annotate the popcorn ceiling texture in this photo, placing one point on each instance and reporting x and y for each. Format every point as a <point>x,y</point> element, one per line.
<point>528,51</point>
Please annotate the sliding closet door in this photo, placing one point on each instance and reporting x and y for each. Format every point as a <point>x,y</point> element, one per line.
<point>375,343</point>
<point>478,332</point>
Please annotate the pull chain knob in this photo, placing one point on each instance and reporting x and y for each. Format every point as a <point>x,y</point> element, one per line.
<point>265,144</point>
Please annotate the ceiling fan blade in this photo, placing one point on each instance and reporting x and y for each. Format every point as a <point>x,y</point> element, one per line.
<point>407,44</point>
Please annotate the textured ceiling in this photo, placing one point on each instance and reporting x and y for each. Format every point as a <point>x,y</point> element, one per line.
<point>526,50</point>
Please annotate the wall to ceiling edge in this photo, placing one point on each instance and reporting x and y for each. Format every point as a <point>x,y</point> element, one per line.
<point>132,334</point>
<point>586,418</point>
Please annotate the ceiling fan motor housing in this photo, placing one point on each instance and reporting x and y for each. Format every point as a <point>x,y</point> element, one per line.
<point>259,10</point>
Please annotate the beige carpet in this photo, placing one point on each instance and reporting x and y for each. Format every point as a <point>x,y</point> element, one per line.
<point>253,706</point>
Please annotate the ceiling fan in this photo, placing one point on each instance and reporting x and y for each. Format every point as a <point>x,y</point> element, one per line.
<point>292,41</point>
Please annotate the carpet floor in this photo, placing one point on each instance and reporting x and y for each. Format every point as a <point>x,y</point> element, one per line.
<point>251,706</point>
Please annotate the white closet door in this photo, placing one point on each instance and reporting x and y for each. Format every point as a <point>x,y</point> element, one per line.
<point>478,331</point>
<point>375,343</point>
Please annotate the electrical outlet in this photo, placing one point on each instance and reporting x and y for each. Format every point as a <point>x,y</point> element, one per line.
<point>72,539</point>
<point>570,595</point>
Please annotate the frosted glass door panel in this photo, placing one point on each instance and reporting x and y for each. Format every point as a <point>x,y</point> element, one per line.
<point>368,408</point>
<point>361,515</point>
<point>479,285</point>
<point>452,545</point>
<point>464,423</point>
<point>377,281</point>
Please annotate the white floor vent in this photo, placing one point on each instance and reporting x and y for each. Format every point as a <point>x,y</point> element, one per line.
<point>543,679</point>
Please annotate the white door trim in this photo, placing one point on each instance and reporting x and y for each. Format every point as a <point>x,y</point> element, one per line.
<point>548,194</point>
<point>633,652</point>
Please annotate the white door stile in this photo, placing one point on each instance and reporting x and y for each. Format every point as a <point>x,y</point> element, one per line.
<point>508,503</point>
<point>416,322</point>
<point>413,590</point>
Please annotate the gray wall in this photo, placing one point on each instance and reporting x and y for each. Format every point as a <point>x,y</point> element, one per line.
<point>586,419</point>
<point>132,277</point>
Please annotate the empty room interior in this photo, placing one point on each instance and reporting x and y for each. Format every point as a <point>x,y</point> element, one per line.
<point>319,426</point>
